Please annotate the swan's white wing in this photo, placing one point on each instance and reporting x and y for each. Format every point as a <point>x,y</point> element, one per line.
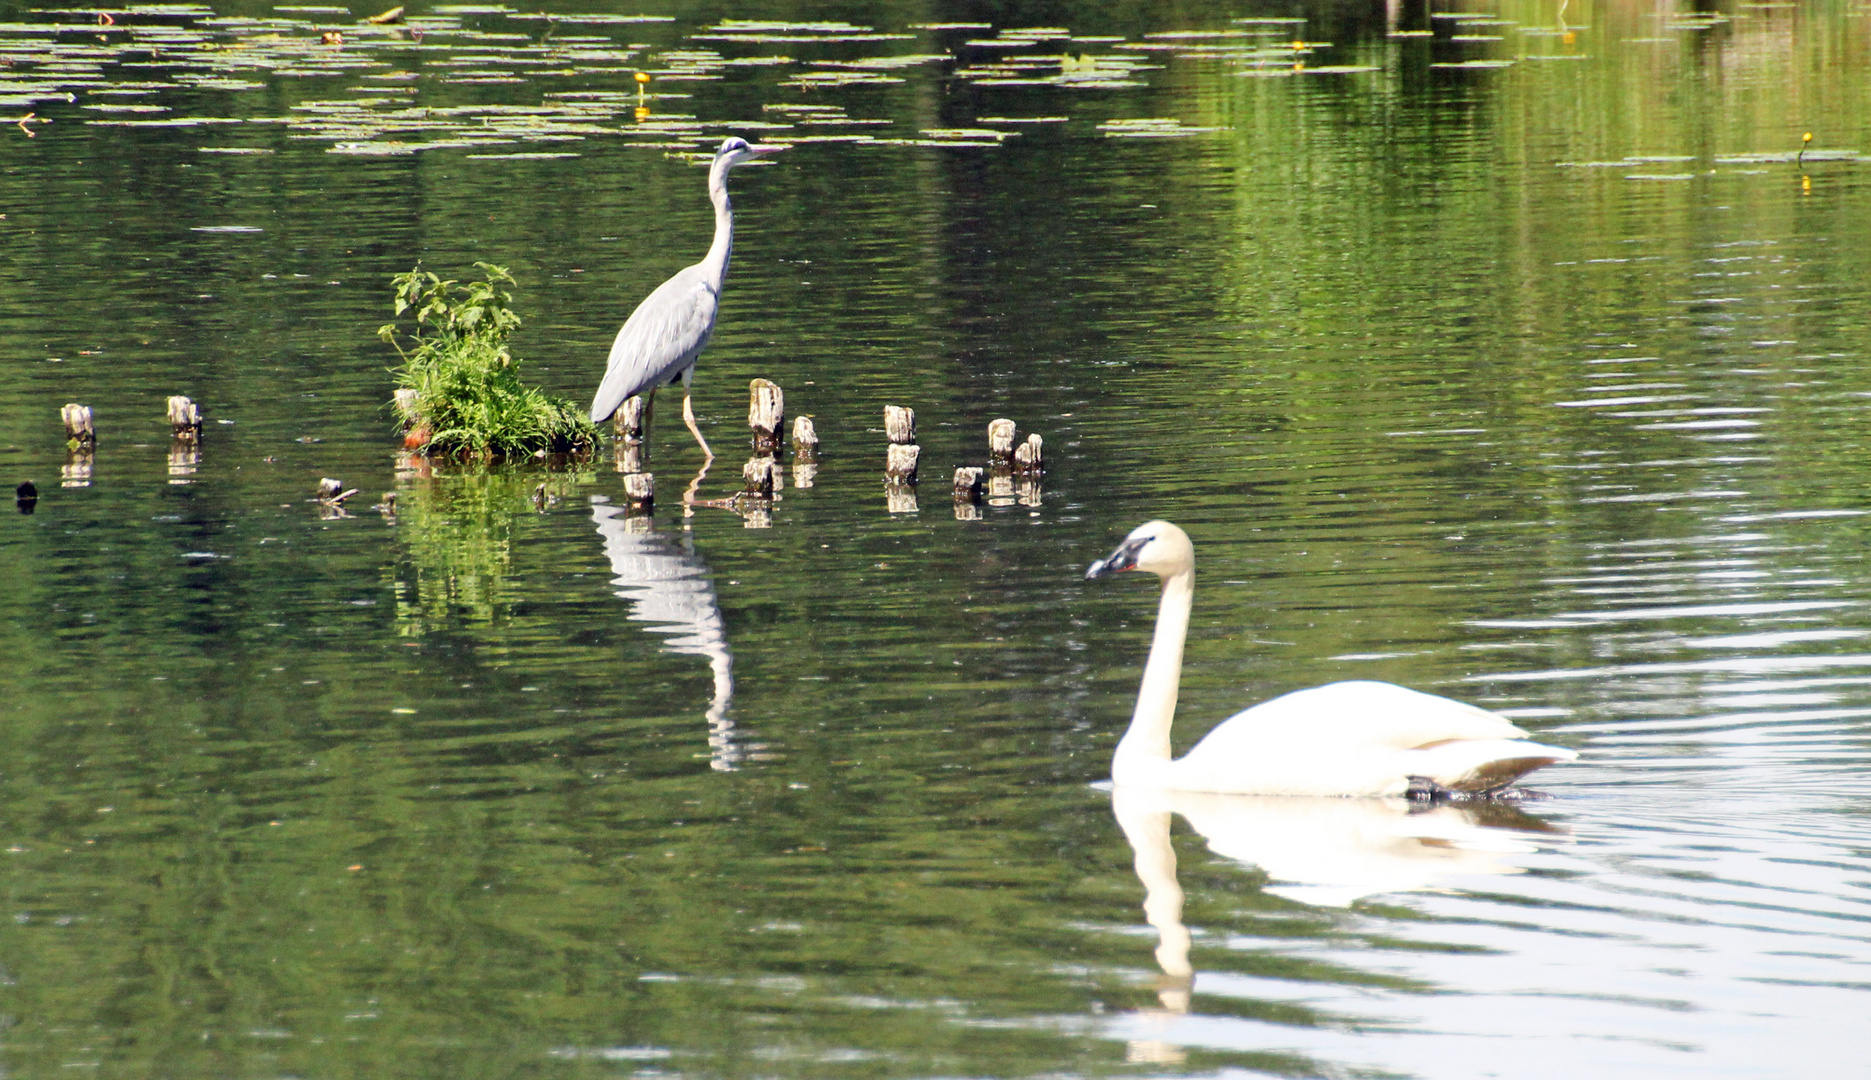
<point>1345,715</point>
<point>1357,738</point>
<point>660,338</point>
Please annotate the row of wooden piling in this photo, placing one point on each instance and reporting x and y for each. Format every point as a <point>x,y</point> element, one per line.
<point>1011,474</point>
<point>81,442</point>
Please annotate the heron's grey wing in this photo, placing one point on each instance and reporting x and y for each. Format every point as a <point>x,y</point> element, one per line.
<point>659,339</point>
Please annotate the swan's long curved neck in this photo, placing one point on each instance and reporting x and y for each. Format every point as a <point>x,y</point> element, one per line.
<point>1147,741</point>
<point>716,261</point>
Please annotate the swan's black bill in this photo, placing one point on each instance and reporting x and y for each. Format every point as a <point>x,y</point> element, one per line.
<point>1124,558</point>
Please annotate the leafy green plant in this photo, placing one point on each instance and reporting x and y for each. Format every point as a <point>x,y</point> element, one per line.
<point>459,389</point>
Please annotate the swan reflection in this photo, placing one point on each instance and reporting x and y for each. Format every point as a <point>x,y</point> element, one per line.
<point>1323,852</point>
<point>668,586</point>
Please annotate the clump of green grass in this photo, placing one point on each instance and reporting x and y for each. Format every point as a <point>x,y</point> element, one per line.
<point>459,388</point>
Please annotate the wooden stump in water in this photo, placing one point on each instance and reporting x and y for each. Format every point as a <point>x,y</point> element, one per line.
<point>1027,459</point>
<point>759,476</point>
<point>629,456</point>
<point>805,439</point>
<point>805,452</point>
<point>640,491</point>
<point>968,494</point>
<point>1000,488</point>
<point>184,419</point>
<point>903,453</point>
<point>78,430</point>
<point>766,414</point>
<point>900,463</point>
<point>968,484</point>
<point>333,491</point>
<point>26,497</point>
<point>899,424</point>
<point>632,419</point>
<point>1000,435</point>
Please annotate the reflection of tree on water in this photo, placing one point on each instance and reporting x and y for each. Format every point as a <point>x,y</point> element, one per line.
<point>1319,851</point>
<point>668,586</point>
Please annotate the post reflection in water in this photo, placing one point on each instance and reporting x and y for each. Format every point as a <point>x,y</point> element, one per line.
<point>1319,851</point>
<point>668,586</point>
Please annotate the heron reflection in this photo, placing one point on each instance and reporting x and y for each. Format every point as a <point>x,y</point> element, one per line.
<point>1322,852</point>
<point>668,587</point>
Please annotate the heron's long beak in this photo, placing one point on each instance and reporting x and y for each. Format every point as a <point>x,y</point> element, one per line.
<point>1123,558</point>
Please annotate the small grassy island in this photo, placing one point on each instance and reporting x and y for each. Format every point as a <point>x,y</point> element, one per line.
<point>458,389</point>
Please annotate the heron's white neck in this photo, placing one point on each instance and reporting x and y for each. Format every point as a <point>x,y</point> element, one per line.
<point>1146,744</point>
<point>716,261</point>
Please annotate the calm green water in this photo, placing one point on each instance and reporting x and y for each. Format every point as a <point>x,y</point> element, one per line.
<point>1539,383</point>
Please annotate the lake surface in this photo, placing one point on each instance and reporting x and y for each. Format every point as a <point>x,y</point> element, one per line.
<point>1515,353</point>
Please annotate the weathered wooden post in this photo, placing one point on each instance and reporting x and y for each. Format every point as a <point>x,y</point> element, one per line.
<point>1000,434</point>
<point>1027,457</point>
<point>968,494</point>
<point>78,430</point>
<point>758,477</point>
<point>632,418</point>
<point>900,463</point>
<point>900,424</point>
<point>80,446</point>
<point>902,455</point>
<point>631,453</point>
<point>639,492</point>
<point>185,447</point>
<point>766,414</point>
<point>333,491</point>
<point>388,506</point>
<point>184,419</point>
<point>999,488</point>
<point>900,459</point>
<point>805,452</point>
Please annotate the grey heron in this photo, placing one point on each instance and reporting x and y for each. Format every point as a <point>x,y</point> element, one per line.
<point>669,329</point>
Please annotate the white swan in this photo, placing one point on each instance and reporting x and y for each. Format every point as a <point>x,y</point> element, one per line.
<point>1345,738</point>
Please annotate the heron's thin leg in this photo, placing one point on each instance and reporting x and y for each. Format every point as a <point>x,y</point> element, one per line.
<point>708,456</point>
<point>688,417</point>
